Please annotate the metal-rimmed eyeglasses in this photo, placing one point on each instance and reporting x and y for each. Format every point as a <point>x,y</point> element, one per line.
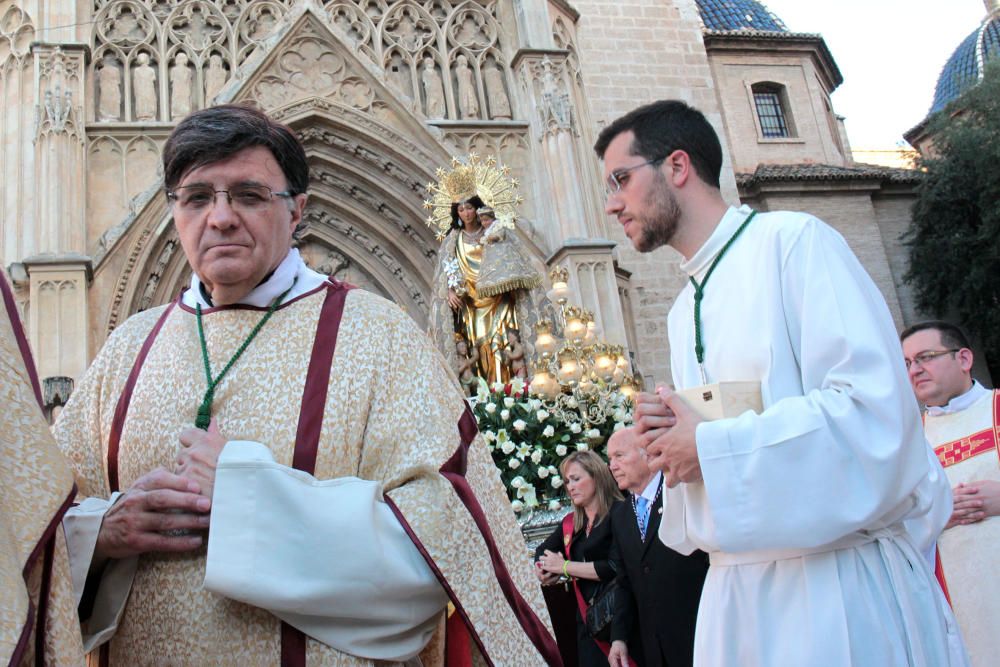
<point>246,197</point>
<point>924,357</point>
<point>617,179</point>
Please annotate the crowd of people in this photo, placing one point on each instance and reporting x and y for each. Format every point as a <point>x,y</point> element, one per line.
<point>255,486</point>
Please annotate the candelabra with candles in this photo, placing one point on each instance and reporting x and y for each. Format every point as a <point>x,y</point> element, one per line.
<point>579,373</point>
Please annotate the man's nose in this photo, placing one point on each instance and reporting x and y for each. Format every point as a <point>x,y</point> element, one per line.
<point>613,204</point>
<point>221,214</point>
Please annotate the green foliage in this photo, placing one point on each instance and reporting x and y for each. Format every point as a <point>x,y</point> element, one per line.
<point>529,438</point>
<point>954,240</point>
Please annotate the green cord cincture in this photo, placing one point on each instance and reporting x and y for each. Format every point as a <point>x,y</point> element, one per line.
<point>699,294</point>
<point>204,417</point>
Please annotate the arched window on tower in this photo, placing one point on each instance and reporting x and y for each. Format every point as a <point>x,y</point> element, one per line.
<point>774,116</point>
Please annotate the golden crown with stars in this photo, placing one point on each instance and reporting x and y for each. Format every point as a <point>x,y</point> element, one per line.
<point>472,176</point>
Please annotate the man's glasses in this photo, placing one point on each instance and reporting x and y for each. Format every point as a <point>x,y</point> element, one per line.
<point>247,197</point>
<point>617,179</point>
<point>925,357</point>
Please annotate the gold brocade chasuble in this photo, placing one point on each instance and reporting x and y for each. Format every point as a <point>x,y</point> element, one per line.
<point>485,319</point>
<point>374,427</point>
<point>38,621</point>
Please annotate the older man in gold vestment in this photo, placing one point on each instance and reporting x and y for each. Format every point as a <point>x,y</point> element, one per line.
<point>38,622</point>
<point>309,427</point>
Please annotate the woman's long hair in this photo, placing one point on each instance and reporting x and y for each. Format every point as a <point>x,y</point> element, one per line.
<point>605,488</point>
<point>477,203</point>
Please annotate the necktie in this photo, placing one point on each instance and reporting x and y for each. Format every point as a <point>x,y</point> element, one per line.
<point>642,514</point>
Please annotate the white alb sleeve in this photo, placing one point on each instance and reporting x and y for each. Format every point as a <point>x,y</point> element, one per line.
<point>328,557</point>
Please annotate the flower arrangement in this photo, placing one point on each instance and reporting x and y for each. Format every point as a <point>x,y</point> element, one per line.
<point>529,437</point>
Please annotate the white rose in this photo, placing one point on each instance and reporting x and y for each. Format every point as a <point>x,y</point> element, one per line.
<point>517,482</point>
<point>581,447</point>
<point>619,426</point>
<point>520,425</point>
<point>508,402</point>
<point>553,470</point>
<point>556,482</point>
<point>535,404</point>
<point>543,472</point>
<point>505,415</point>
<point>549,431</point>
<point>489,436</point>
<point>560,450</point>
<point>491,408</point>
<point>514,463</point>
<point>498,387</point>
<point>517,505</point>
<point>575,427</point>
<point>507,447</point>
<point>554,505</point>
<point>541,415</point>
<point>536,456</point>
<point>592,433</point>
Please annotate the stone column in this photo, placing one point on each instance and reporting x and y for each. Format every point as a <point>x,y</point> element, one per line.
<point>568,212</point>
<point>533,23</point>
<point>57,317</point>
<point>60,180</point>
<point>594,284</point>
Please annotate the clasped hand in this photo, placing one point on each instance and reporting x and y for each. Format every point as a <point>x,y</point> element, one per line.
<point>666,426</point>
<point>158,509</point>
<point>549,567</point>
<point>974,501</point>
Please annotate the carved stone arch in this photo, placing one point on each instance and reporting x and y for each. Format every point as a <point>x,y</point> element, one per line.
<point>366,195</point>
<point>410,26</point>
<point>464,11</point>
<point>369,167</point>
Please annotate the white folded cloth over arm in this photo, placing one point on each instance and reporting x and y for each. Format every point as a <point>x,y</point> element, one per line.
<point>326,556</point>
<point>82,525</point>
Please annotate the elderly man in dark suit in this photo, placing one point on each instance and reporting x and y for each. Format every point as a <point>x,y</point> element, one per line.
<point>661,588</point>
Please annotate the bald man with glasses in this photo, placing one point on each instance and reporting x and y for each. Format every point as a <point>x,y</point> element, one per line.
<point>962,423</point>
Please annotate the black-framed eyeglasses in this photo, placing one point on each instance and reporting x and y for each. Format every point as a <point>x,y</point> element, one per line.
<point>245,197</point>
<point>617,179</point>
<point>930,355</point>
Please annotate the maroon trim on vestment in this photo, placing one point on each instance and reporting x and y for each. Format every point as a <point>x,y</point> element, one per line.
<point>22,340</point>
<point>293,640</point>
<point>43,602</point>
<point>454,471</point>
<point>459,609</point>
<point>121,409</point>
<point>46,541</point>
<point>293,646</point>
<point>22,642</point>
<point>244,306</point>
<point>318,378</point>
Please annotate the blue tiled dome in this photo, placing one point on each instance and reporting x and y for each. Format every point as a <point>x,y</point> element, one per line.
<point>738,15</point>
<point>964,68</point>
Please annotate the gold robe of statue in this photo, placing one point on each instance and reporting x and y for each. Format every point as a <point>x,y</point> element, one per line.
<point>36,488</point>
<point>392,421</point>
<point>499,291</point>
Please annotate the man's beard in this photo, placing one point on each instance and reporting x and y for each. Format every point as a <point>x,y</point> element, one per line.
<point>658,226</point>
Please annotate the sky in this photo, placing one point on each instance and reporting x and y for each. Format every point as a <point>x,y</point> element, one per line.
<point>890,53</point>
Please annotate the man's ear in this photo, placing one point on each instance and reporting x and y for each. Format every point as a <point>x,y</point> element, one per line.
<point>298,209</point>
<point>677,168</point>
<point>965,359</point>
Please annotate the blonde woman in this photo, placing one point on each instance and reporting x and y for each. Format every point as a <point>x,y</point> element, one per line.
<point>592,491</point>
